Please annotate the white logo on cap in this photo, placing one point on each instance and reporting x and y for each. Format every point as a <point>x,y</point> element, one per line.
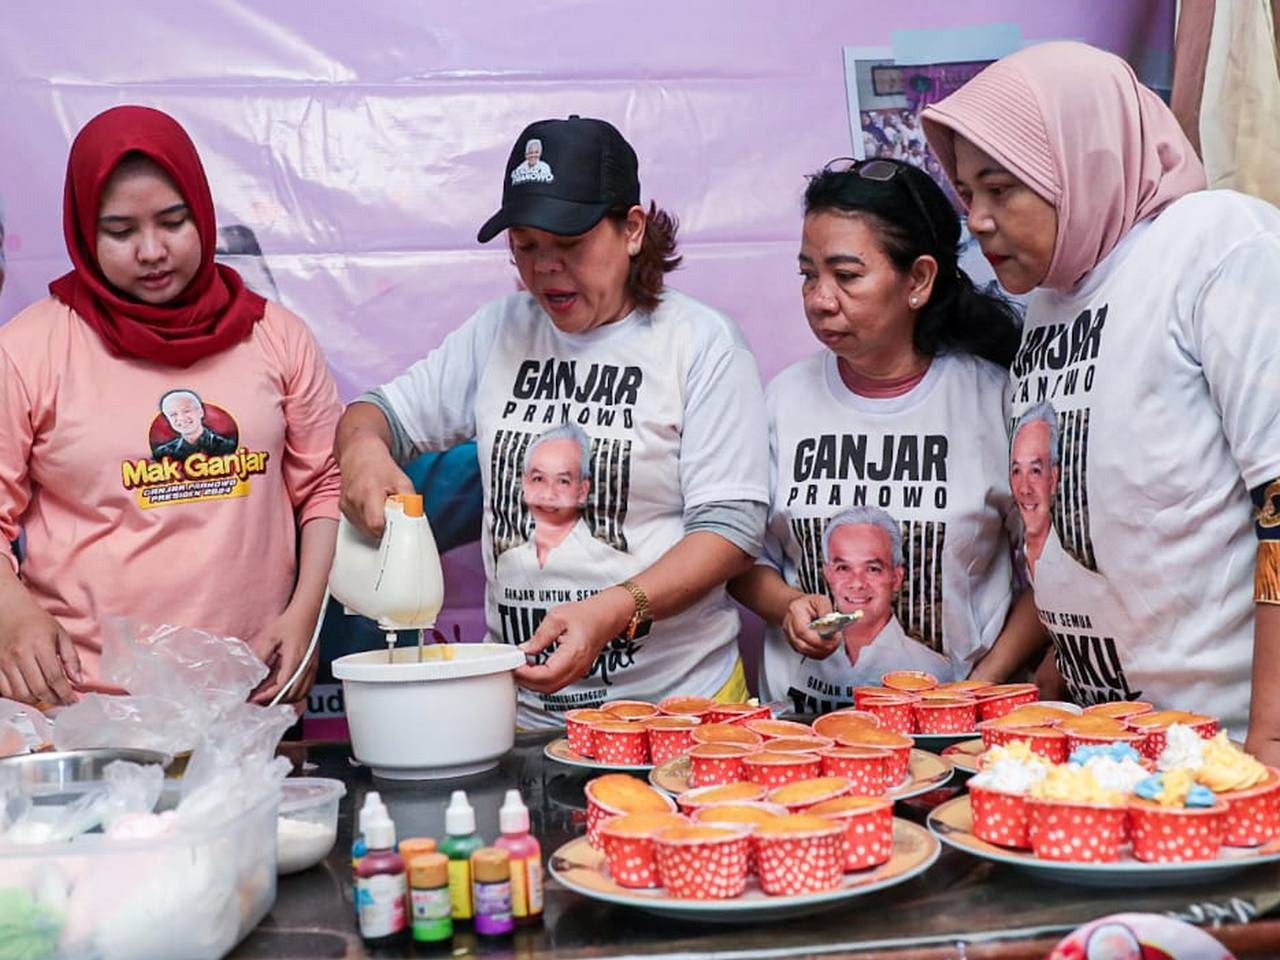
<point>533,170</point>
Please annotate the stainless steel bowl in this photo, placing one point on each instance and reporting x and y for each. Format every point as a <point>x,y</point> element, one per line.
<point>63,770</point>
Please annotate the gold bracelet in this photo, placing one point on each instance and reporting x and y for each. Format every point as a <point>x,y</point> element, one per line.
<point>641,614</point>
<point>1266,576</point>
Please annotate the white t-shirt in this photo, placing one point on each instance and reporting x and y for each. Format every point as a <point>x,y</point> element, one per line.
<point>672,404</point>
<point>934,460</point>
<point>1163,371</point>
<point>820,686</point>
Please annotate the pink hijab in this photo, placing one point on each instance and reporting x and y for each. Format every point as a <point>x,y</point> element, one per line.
<point>1074,124</point>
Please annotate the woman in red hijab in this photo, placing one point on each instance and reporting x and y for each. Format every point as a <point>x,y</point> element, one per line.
<point>1145,455</point>
<point>165,433</point>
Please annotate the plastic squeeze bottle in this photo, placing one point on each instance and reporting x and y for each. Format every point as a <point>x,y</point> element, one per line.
<point>372,806</point>
<point>526,858</point>
<point>429,890</point>
<point>381,886</point>
<point>459,843</point>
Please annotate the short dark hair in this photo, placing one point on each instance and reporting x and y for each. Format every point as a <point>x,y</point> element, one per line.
<point>958,316</point>
<point>657,256</point>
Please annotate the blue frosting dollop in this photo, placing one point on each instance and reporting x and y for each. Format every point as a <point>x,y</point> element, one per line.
<point>1112,751</point>
<point>1198,796</point>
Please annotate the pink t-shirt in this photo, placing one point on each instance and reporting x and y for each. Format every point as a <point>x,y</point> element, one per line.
<point>185,515</point>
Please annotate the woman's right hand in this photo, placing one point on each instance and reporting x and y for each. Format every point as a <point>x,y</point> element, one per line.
<point>369,476</point>
<point>38,660</point>
<point>802,611</point>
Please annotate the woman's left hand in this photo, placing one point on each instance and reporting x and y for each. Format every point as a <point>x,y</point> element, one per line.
<point>581,631</point>
<point>281,647</point>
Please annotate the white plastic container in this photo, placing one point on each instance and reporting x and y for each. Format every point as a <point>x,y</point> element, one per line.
<point>194,895</point>
<point>450,715</point>
<point>308,823</point>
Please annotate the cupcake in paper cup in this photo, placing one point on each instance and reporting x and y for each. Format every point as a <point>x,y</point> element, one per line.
<point>831,724</point>
<point>898,746</point>
<point>909,681</point>
<point>669,737</point>
<point>1116,766</point>
<point>1173,819</point>
<point>747,816</point>
<point>1155,727</point>
<point>779,769</point>
<point>628,846</point>
<point>703,862</point>
<point>967,687</point>
<point>799,853</point>
<point>1119,709</point>
<point>893,711</point>
<point>1094,729</point>
<point>996,701</point>
<point>866,768</point>
<point>616,794</point>
<point>868,823</point>
<point>1040,715</point>
<point>577,728</point>
<point>620,742</point>
<point>1048,742</point>
<point>998,793</point>
<point>797,744</point>
<point>726,733</point>
<point>952,714</point>
<point>773,729</point>
<point>630,709</point>
<point>699,707</point>
<point>715,763</point>
<point>799,796</point>
<point>1250,790</point>
<point>737,713</point>
<point>741,791</point>
<point>1071,817</point>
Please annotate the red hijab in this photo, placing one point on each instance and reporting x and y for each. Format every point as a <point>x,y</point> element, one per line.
<point>214,312</point>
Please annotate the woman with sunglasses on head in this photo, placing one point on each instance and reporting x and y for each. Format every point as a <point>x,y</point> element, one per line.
<point>890,500</point>
<point>621,434</point>
<point>165,433</point>
<point>1151,330</point>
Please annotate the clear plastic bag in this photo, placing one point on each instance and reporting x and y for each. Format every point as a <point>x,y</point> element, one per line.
<point>138,723</point>
<point>23,728</point>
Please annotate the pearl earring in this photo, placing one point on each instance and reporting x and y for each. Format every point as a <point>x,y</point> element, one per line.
<point>913,301</point>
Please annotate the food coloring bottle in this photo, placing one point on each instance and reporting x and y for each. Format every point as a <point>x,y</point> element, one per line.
<point>491,883</point>
<point>381,886</point>
<point>460,842</point>
<point>429,892</point>
<point>526,859</point>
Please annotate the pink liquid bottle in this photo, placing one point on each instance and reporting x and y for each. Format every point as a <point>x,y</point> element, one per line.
<point>381,886</point>
<point>526,859</point>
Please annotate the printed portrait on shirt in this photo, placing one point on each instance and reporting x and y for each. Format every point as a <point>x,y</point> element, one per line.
<point>186,426</point>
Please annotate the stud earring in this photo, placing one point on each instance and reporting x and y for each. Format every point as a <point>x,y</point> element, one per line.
<point>913,301</point>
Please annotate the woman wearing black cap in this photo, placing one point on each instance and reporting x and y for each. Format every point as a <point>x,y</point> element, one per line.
<point>621,432</point>
<point>891,494</point>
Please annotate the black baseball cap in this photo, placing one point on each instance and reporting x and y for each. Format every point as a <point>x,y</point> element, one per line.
<point>563,175</point>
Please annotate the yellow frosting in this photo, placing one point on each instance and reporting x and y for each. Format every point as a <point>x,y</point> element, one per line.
<point>1177,784</point>
<point>1074,784</point>
<point>1019,750</point>
<point>1226,767</point>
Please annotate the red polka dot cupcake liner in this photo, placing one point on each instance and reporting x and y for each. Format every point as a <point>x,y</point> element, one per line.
<point>577,729</point>
<point>704,869</point>
<point>713,764</point>
<point>791,864</point>
<point>990,707</point>
<point>736,713</point>
<point>939,716</point>
<point>1176,834</point>
<point>899,765</point>
<point>1075,740</point>
<point>1253,815</point>
<point>614,746</point>
<point>868,836</point>
<point>707,815</point>
<point>866,769</point>
<point>999,818</point>
<point>632,858</point>
<point>1154,741</point>
<point>1076,832</point>
<point>598,813</point>
<point>770,771</point>
<point>668,739</point>
<point>894,714</point>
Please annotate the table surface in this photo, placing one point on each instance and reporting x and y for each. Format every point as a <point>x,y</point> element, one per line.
<point>960,907</point>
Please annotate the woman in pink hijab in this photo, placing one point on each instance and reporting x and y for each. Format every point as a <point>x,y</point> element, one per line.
<point>1145,455</point>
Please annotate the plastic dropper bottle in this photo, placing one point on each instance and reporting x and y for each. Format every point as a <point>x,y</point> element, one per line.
<point>460,842</point>
<point>380,886</point>
<point>526,858</point>
<point>372,806</point>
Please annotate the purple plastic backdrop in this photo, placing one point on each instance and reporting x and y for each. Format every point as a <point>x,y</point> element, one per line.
<point>362,143</point>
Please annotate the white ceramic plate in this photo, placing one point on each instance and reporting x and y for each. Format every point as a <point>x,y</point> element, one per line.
<point>583,870</point>
<point>952,823</point>
<point>558,750</point>
<point>926,772</point>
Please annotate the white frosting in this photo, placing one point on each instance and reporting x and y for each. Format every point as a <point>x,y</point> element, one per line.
<point>1184,749</point>
<point>1011,776</point>
<point>1122,776</point>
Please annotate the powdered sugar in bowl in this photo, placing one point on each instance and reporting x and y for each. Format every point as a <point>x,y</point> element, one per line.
<point>308,823</point>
